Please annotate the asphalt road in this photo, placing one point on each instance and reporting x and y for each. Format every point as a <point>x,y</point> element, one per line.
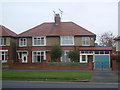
<point>55,84</point>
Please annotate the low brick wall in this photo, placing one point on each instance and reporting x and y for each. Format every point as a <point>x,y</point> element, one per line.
<point>51,65</point>
<point>115,65</point>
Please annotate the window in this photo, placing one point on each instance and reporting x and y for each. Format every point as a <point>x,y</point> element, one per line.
<point>22,42</point>
<point>2,41</point>
<point>86,52</point>
<point>39,41</point>
<point>67,40</point>
<point>102,52</point>
<point>3,56</point>
<point>83,58</point>
<point>38,56</point>
<point>85,41</point>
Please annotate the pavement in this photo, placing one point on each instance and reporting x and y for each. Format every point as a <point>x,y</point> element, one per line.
<point>105,76</point>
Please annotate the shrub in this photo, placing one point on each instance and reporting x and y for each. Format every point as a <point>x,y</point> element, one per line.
<point>56,53</point>
<point>74,55</point>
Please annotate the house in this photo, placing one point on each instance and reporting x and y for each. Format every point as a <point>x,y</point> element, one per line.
<point>117,40</point>
<point>7,45</point>
<point>34,45</point>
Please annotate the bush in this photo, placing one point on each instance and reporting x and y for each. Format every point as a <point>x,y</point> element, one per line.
<point>74,55</point>
<point>56,53</point>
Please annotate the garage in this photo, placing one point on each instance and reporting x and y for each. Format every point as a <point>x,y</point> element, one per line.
<point>102,60</point>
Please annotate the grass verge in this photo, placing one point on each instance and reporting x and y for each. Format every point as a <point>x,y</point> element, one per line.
<point>61,75</point>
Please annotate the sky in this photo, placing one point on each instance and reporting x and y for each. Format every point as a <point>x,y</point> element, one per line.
<point>96,16</point>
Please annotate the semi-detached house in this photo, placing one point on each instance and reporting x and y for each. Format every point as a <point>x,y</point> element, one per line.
<point>34,45</point>
<point>7,45</point>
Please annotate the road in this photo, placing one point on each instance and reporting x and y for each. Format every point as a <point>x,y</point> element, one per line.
<point>55,84</point>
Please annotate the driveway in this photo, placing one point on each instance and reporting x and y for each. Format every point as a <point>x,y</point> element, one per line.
<point>105,76</point>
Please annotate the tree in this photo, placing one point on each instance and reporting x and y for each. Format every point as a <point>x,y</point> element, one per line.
<point>106,39</point>
<point>56,52</point>
<point>74,55</point>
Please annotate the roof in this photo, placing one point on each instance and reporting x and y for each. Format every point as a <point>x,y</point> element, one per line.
<point>51,29</point>
<point>95,48</point>
<point>117,38</point>
<point>6,32</point>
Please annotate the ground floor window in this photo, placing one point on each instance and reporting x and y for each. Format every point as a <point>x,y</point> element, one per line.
<point>85,56</point>
<point>38,56</point>
<point>65,57</point>
<point>23,55</point>
<point>4,55</point>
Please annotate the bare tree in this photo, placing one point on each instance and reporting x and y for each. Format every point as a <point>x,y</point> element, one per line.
<point>106,39</point>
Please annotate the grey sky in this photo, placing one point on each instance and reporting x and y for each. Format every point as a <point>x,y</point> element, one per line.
<point>98,17</point>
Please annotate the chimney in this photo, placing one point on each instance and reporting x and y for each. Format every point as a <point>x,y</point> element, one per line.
<point>57,19</point>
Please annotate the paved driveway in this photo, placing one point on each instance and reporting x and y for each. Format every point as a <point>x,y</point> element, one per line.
<point>105,76</point>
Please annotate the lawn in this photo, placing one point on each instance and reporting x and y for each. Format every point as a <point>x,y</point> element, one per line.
<point>119,73</point>
<point>62,75</point>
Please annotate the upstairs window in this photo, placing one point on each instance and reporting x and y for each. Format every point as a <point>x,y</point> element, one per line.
<point>39,41</point>
<point>67,40</point>
<point>85,41</point>
<point>22,42</point>
<point>2,41</point>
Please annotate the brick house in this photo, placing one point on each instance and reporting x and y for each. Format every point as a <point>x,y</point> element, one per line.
<point>117,40</point>
<point>7,45</point>
<point>34,45</point>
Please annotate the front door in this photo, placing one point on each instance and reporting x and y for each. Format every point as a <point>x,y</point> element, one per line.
<point>24,58</point>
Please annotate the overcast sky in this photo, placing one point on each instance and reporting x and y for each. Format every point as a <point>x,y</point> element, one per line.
<point>97,17</point>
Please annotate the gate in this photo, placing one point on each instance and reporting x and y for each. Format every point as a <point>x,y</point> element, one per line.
<point>102,62</point>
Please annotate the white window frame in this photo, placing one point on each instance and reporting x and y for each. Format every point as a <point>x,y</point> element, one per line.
<point>85,39</point>
<point>22,51</point>
<point>3,61</point>
<point>22,43</point>
<point>33,43</point>
<point>86,53</point>
<point>40,53</point>
<point>2,41</point>
<point>63,37</point>
<point>86,59</point>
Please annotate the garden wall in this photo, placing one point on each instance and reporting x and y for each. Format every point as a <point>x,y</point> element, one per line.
<point>115,65</point>
<point>51,65</point>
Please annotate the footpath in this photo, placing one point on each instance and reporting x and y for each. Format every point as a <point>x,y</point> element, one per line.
<point>105,76</point>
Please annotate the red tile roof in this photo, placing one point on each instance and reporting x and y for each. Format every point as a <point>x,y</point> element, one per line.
<point>50,29</point>
<point>6,32</point>
<point>95,48</point>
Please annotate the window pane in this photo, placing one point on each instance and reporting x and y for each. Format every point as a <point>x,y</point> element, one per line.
<point>106,52</point>
<point>67,40</point>
<point>83,58</point>
<point>101,52</point>
<point>39,41</point>
<point>96,52</point>
<point>85,41</point>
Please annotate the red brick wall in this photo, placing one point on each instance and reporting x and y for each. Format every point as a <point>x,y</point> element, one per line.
<point>115,65</point>
<point>44,66</point>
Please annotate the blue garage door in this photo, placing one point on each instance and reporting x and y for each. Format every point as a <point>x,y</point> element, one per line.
<point>102,61</point>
